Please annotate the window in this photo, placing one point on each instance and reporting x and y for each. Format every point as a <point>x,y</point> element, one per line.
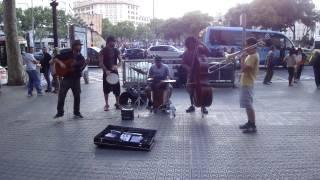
<point>225,38</point>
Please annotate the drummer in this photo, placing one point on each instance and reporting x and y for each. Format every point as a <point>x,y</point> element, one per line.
<point>157,73</point>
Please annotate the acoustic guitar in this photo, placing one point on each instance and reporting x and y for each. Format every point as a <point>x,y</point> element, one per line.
<point>68,62</point>
<point>62,72</point>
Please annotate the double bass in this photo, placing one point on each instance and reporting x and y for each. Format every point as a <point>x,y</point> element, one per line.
<point>202,91</point>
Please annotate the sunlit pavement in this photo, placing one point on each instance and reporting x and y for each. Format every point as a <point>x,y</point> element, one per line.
<point>35,146</point>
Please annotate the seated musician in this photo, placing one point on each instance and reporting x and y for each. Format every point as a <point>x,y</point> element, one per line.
<point>159,72</point>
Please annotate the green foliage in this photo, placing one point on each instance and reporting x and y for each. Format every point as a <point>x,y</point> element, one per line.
<point>175,28</point>
<point>275,14</point>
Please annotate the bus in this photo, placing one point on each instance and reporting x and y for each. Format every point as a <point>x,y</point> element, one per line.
<point>3,54</point>
<point>229,39</point>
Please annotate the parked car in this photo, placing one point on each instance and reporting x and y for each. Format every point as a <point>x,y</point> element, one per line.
<point>134,53</point>
<point>164,51</point>
<point>3,76</point>
<point>93,55</point>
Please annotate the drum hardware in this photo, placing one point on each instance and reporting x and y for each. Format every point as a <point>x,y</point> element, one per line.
<point>139,98</point>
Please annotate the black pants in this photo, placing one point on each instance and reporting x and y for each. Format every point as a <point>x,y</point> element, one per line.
<point>46,74</point>
<point>299,71</point>
<point>291,74</point>
<point>316,70</point>
<point>269,75</point>
<point>65,85</point>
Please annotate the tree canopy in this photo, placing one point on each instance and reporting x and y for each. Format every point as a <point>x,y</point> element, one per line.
<point>275,14</point>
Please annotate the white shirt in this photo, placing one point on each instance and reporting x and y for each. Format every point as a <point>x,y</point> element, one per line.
<point>27,60</point>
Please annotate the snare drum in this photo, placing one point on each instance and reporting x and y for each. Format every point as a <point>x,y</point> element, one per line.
<point>112,78</point>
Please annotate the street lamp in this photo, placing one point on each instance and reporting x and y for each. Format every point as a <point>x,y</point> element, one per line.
<point>91,26</point>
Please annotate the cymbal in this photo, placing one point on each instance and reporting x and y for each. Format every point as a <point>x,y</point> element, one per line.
<point>140,71</point>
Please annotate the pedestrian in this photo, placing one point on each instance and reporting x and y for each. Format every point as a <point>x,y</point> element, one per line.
<point>301,60</point>
<point>71,80</point>
<point>45,68</point>
<point>291,65</point>
<point>110,61</point>
<point>31,68</point>
<point>315,62</point>
<point>269,66</point>
<point>249,71</point>
<point>55,78</point>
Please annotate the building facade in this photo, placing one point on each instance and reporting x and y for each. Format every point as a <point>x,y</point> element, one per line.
<point>94,21</point>
<point>115,10</point>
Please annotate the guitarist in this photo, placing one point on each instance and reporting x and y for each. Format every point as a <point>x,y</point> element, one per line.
<point>71,80</point>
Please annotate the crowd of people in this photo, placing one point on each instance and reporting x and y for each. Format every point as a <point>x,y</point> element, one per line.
<point>295,62</point>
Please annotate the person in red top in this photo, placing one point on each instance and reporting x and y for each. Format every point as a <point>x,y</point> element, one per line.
<point>194,49</point>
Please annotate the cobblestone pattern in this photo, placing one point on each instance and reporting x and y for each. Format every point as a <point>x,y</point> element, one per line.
<point>287,145</point>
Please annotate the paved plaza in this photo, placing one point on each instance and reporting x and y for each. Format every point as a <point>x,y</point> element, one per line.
<point>35,146</point>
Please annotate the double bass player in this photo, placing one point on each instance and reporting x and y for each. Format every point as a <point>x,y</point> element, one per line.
<point>194,50</point>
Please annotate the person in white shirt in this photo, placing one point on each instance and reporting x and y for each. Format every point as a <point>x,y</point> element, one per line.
<point>291,65</point>
<point>31,68</point>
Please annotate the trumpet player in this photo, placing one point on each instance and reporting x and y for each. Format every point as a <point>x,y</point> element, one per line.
<point>249,71</point>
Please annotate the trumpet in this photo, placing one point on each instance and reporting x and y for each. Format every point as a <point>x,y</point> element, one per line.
<point>230,58</point>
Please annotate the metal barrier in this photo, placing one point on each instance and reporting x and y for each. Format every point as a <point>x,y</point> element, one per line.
<point>131,78</point>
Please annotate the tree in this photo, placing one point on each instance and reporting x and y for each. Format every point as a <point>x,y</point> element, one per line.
<point>107,28</point>
<point>275,14</point>
<point>124,30</point>
<point>194,22</point>
<point>155,26</point>
<point>173,28</point>
<point>143,32</point>
<point>15,69</point>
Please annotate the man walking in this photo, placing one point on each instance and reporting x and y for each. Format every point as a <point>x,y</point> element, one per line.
<point>45,67</point>
<point>249,69</point>
<point>269,66</point>
<point>110,61</point>
<point>31,68</point>
<point>71,80</point>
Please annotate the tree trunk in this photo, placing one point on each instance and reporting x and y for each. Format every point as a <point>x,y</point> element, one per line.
<point>14,60</point>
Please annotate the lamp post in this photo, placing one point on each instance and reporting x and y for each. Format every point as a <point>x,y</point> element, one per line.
<point>91,28</point>
<point>54,5</point>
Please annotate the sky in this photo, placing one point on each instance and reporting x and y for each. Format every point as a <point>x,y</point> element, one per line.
<point>176,8</point>
<point>165,9</point>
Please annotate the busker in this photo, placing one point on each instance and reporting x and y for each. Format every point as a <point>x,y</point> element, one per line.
<point>72,79</point>
<point>249,72</point>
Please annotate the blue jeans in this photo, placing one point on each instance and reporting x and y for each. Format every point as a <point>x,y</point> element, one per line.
<point>34,81</point>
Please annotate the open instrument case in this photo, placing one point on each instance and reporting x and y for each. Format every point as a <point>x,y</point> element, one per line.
<point>125,138</point>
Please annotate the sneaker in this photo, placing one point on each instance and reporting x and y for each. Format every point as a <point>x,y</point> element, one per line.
<point>244,126</point>
<point>250,129</point>
<point>58,115</point>
<point>106,108</point>
<point>190,109</point>
<point>40,94</point>
<point>204,110</point>
<point>29,95</point>
<point>47,91</point>
<point>266,83</point>
<point>77,116</point>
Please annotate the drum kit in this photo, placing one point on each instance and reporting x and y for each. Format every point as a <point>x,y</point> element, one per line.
<point>136,94</point>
